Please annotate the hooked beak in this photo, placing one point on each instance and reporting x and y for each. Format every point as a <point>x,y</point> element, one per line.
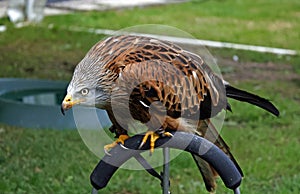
<point>68,103</point>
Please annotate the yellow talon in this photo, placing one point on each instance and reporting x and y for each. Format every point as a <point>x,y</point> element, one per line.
<point>168,134</point>
<point>121,139</point>
<point>153,137</point>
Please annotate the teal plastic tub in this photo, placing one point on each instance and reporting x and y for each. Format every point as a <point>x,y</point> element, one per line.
<point>36,104</point>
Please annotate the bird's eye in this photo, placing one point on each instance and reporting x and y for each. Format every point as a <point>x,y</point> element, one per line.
<point>84,91</point>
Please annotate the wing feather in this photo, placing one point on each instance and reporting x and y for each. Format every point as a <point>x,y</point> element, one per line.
<point>188,73</point>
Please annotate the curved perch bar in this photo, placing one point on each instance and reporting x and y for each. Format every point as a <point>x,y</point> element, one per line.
<point>181,140</point>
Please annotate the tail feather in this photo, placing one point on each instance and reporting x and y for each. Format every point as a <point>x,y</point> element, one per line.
<point>207,173</point>
<point>207,129</point>
<point>244,96</point>
<point>209,132</point>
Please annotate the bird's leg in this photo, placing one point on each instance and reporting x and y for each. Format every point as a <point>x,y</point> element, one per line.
<point>154,135</point>
<point>121,139</point>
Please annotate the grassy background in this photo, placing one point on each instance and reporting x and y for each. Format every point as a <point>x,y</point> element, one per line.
<point>267,148</point>
<point>259,22</point>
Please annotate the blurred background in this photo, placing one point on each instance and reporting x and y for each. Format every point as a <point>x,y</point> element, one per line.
<point>46,39</point>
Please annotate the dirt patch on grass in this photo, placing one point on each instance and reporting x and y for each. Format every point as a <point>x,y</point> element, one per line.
<point>249,71</point>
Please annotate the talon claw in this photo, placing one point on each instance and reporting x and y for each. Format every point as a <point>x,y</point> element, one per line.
<point>141,145</point>
<point>125,148</point>
<point>120,141</point>
<point>145,138</point>
<point>106,152</point>
<point>168,134</point>
<point>153,137</point>
<point>108,147</point>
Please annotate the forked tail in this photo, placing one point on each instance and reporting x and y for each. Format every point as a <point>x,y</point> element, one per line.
<point>256,100</point>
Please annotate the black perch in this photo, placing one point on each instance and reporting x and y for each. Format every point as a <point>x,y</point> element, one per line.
<point>181,140</point>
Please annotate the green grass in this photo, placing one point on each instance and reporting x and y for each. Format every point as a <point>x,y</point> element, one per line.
<point>267,148</point>
<point>49,161</point>
<point>42,53</point>
<point>262,22</point>
<point>39,52</point>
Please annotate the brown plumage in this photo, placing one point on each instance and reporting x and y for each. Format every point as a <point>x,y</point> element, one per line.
<point>156,83</point>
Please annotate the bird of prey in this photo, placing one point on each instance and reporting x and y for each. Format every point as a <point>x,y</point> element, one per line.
<point>157,83</point>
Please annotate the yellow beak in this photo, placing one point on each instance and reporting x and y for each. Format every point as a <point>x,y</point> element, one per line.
<point>68,103</point>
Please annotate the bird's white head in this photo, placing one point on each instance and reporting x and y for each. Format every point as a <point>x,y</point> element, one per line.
<point>89,85</point>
